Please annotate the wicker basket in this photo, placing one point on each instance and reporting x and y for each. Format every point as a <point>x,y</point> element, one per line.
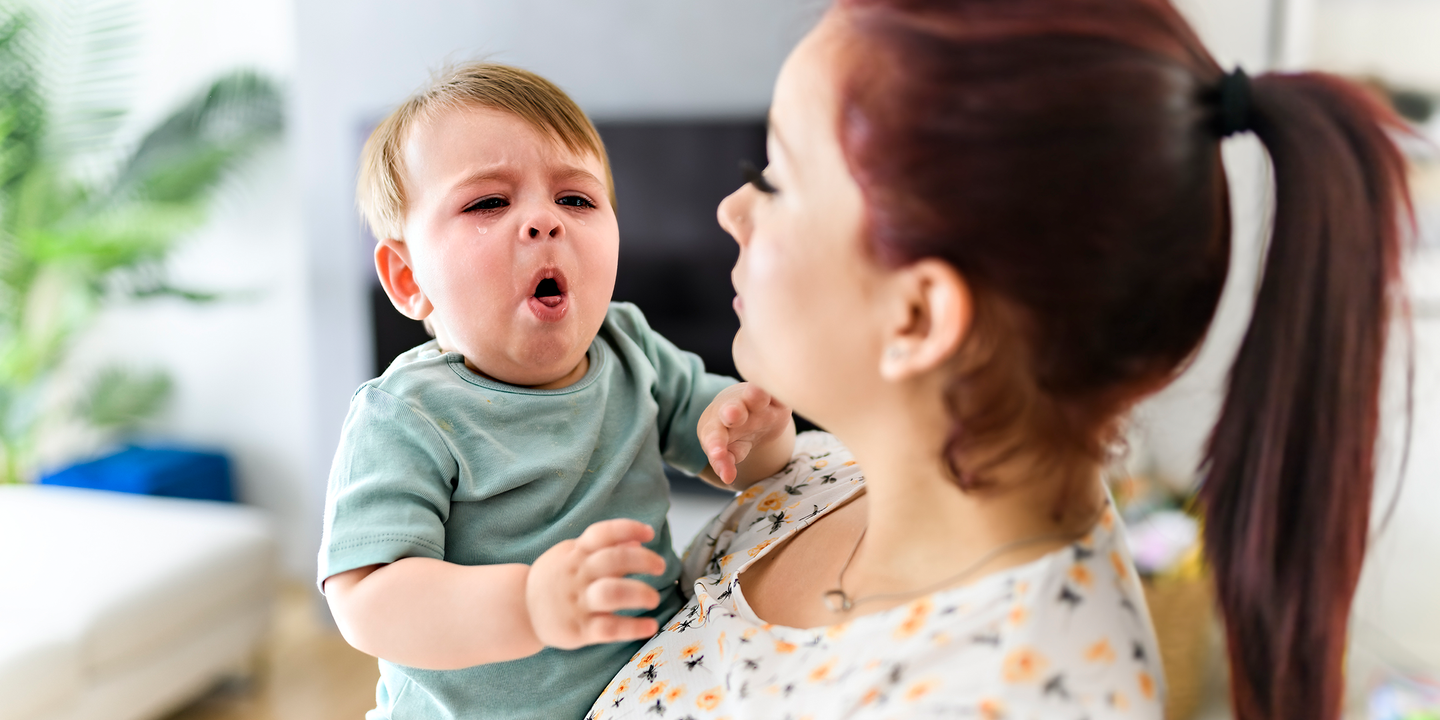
<point>1183,609</point>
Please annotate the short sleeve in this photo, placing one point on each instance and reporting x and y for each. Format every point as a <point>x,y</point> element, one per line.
<point>683,390</point>
<point>389,490</point>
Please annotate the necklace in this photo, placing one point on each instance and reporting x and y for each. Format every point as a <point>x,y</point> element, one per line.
<point>837,600</point>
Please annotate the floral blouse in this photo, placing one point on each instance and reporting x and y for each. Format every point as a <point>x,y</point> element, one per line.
<point>1066,636</point>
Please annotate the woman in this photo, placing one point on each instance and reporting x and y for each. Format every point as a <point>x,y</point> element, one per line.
<point>987,230</point>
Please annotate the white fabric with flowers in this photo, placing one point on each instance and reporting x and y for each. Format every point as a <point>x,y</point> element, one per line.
<point>1064,637</point>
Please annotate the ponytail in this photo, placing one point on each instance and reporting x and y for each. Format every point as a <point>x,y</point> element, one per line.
<point>1289,468</point>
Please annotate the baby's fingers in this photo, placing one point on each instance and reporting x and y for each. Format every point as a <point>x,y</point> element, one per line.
<point>614,532</point>
<point>621,560</point>
<point>601,628</point>
<point>610,594</point>
<point>733,413</point>
<point>715,440</point>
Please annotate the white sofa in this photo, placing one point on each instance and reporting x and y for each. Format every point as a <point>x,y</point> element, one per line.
<point>124,607</point>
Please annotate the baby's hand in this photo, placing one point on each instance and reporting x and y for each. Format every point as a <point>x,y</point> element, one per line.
<point>575,587</point>
<point>739,418</point>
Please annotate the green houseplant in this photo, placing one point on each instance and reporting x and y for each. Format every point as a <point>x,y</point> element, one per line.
<point>86,218</point>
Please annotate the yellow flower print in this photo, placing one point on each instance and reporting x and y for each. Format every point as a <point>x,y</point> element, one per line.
<point>653,692</point>
<point>1018,614</point>
<point>752,552</point>
<point>848,463</point>
<point>909,627</point>
<point>991,709</point>
<point>720,644</point>
<point>773,501</point>
<point>1100,652</point>
<point>1147,685</point>
<point>650,656</point>
<point>821,673</point>
<point>710,699</point>
<point>726,560</point>
<point>749,633</point>
<point>820,464</point>
<point>923,606</point>
<point>689,651</point>
<point>784,648</point>
<point>836,630</point>
<point>1107,520</point>
<point>1022,587</point>
<point>921,689</point>
<point>870,696</point>
<point>675,693</point>
<point>767,626</point>
<point>1081,575</point>
<point>919,614</point>
<point>1119,564</point>
<point>1119,701</point>
<point>748,495</point>
<point>621,688</point>
<point>1022,665</point>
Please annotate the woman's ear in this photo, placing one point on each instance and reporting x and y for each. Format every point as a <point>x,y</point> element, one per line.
<point>933,314</point>
<point>392,262</point>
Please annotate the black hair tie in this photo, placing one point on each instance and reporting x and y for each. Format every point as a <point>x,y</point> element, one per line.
<point>1234,103</point>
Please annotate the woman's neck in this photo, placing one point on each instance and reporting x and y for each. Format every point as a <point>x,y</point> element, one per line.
<point>922,529</point>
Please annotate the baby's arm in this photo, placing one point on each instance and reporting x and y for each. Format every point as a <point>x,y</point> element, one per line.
<point>747,435</point>
<point>428,613</point>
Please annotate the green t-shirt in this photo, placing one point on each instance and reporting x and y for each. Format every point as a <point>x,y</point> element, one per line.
<point>436,461</point>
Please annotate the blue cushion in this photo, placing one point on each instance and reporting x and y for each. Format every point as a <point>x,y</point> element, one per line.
<point>167,472</point>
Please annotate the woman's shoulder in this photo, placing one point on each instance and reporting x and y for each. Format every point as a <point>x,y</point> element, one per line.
<point>1072,632</point>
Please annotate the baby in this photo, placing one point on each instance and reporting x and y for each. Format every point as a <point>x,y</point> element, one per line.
<point>494,490</point>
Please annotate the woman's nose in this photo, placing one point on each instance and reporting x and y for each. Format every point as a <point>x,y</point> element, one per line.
<point>732,217</point>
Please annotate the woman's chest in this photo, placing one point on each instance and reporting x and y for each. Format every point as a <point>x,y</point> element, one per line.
<point>787,585</point>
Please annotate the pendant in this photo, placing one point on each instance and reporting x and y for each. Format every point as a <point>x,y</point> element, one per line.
<point>837,601</point>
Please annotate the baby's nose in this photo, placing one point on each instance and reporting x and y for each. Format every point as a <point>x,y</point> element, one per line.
<point>535,232</point>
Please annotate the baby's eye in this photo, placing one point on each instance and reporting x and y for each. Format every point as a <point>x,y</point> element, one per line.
<point>489,203</point>
<point>575,201</point>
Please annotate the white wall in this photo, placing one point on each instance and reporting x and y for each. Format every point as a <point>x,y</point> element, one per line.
<point>1395,39</point>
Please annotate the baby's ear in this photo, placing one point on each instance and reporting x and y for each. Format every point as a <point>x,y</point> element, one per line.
<point>392,262</point>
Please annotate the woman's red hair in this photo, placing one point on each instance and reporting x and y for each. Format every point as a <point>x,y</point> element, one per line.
<point>1064,156</point>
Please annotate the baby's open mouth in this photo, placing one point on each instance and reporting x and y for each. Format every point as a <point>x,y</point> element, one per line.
<point>548,292</point>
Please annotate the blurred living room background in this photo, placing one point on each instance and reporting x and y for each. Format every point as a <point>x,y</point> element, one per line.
<point>242,333</point>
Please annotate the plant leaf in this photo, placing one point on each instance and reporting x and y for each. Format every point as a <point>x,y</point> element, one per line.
<point>187,154</point>
<point>119,399</point>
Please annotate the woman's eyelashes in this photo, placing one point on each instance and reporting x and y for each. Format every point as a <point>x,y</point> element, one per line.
<point>753,176</point>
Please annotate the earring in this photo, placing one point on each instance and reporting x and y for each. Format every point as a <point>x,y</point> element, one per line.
<point>896,352</point>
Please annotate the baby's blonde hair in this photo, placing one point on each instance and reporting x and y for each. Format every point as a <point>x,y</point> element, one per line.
<point>380,192</point>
